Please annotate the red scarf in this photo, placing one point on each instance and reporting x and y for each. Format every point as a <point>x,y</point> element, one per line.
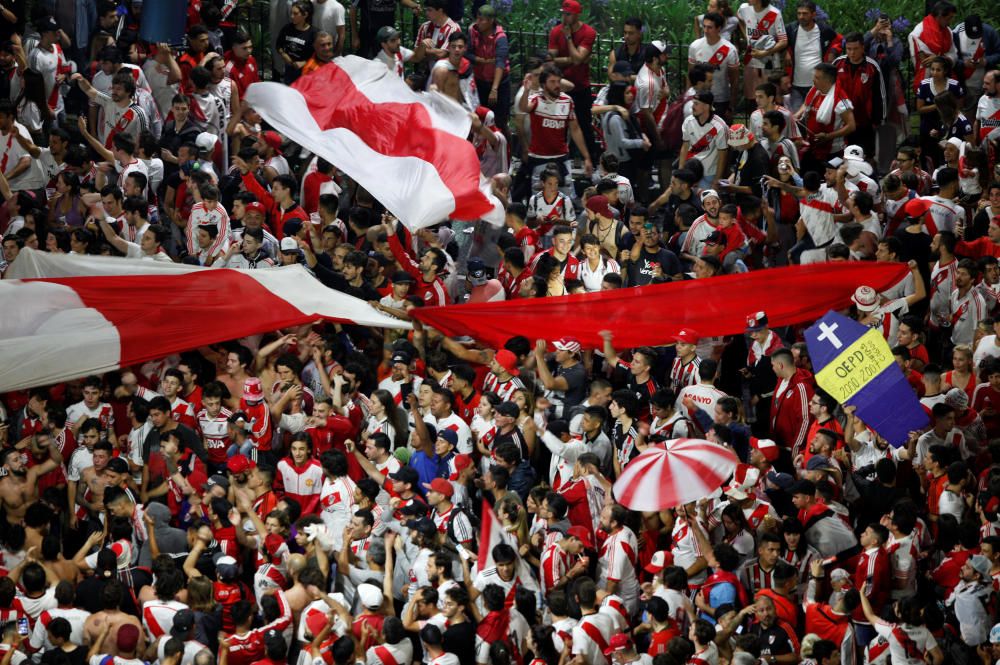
<point>726,577</point>
<point>938,39</point>
<point>495,627</point>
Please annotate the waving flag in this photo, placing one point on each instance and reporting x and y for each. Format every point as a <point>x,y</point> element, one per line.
<point>62,328</point>
<point>408,149</point>
<point>651,315</point>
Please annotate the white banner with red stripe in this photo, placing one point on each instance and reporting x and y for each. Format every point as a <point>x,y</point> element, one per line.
<point>408,149</point>
<point>125,312</point>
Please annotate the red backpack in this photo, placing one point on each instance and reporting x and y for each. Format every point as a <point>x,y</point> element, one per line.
<point>670,125</point>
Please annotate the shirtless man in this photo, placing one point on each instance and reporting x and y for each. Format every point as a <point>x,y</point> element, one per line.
<point>18,483</point>
<point>93,480</point>
<point>297,595</point>
<point>237,364</point>
<point>111,599</point>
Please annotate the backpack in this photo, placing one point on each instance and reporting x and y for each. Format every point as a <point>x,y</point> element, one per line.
<point>461,508</point>
<point>670,125</point>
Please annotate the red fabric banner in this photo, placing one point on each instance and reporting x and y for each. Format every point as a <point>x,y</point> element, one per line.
<point>650,315</point>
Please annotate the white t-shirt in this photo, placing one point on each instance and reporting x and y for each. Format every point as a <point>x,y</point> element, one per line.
<point>394,62</point>
<point>328,15</point>
<point>807,55</point>
<point>705,142</point>
<point>11,153</point>
<point>723,56</point>
<point>988,115</point>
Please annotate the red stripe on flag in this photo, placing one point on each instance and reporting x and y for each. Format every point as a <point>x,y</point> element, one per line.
<point>396,129</point>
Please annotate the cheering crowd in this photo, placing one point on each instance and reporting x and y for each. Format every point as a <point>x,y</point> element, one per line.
<point>342,494</point>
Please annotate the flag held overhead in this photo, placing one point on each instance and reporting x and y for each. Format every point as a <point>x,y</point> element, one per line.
<point>854,364</point>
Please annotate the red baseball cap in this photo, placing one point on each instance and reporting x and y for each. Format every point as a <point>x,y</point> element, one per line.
<point>273,139</point>
<point>441,486</point>
<point>255,206</point>
<point>571,7</point>
<point>273,543</point>
<point>661,559</point>
<point>462,462</point>
<point>600,205</point>
<point>238,464</point>
<point>686,336</point>
<point>767,447</point>
<point>508,361</point>
<point>582,534</point>
<point>917,207</point>
<point>618,642</point>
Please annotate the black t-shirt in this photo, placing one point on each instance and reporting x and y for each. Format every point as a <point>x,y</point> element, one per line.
<point>773,641</point>
<point>640,272</point>
<point>751,169</point>
<point>298,44</point>
<point>460,639</point>
<point>77,656</point>
<point>576,380</point>
<point>637,59</point>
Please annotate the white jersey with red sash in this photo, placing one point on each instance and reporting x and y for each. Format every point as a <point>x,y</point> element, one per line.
<point>705,141</point>
<point>988,115</point>
<point>591,637</point>
<point>617,564</point>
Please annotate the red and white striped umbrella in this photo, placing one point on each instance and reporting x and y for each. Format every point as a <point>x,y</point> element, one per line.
<point>674,473</point>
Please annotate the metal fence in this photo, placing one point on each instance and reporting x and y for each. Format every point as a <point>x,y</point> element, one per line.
<point>254,17</point>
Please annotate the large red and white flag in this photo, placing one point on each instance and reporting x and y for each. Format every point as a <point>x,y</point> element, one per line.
<point>491,534</point>
<point>408,149</point>
<point>60,328</point>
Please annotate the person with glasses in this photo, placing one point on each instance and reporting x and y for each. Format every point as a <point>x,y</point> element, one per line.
<point>907,162</point>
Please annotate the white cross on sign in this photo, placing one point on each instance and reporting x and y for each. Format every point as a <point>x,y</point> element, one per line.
<point>828,334</point>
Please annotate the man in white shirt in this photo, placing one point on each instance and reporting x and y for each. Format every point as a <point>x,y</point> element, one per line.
<point>705,139</point>
<point>721,55</point>
<point>328,16</point>
<point>392,53</point>
<point>16,164</point>
<point>987,123</point>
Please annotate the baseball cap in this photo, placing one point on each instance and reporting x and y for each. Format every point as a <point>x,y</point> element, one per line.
<point>782,480</point>
<point>423,525</point>
<point>226,568</point>
<point>477,271</point>
<point>401,357</point>
<point>865,298</point>
<point>288,245</point>
<point>386,32</point>
<point>570,344</point>
<point>973,26</point>
<point>370,596</point>
<point>440,485</point>
<point>272,543</point>
<point>981,565</point>
<point>273,139</point>
<point>508,361</point>
<point>117,465</point>
<point>686,336</point>
<point>255,206</point>
<point>995,634</point>
<point>739,136</point>
<point>581,533</point>
<point>917,207</point>
<point>756,322</point>
<point>854,157</point>
<point>819,463</point>
<point>291,226</point>
<point>253,389</point>
<point>128,636</point>
<point>508,409</point>
<point>184,619</point>
<point>957,398</point>
<point>217,480</point>
<point>206,141</point>
<point>838,574</point>
<point>571,7</point>
<point>47,24</point>
<point>705,98</point>
<point>406,474</point>
<point>238,464</point>
<point>449,435</point>
<point>804,487</point>
<point>709,193</point>
<point>834,163</point>
<point>402,277</point>
<point>659,561</point>
<point>600,205</point>
<point>767,447</point>
<point>618,642</point>
<point>462,462</point>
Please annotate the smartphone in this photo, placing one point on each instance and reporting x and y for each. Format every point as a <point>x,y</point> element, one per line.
<point>22,626</point>
<point>883,17</point>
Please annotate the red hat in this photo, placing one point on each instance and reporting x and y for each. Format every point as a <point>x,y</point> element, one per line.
<point>581,533</point>
<point>273,139</point>
<point>238,464</point>
<point>660,560</point>
<point>571,7</point>
<point>273,543</point>
<point>255,206</point>
<point>571,344</point>
<point>253,390</point>
<point>441,486</point>
<point>462,462</point>
<point>686,336</point>
<point>768,448</point>
<point>916,207</point>
<point>619,642</point>
<point>601,206</point>
<point>508,361</point>
<point>315,622</point>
